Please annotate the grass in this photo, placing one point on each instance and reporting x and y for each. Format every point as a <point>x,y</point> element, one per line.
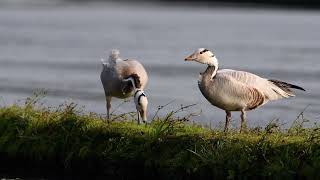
<point>64,142</point>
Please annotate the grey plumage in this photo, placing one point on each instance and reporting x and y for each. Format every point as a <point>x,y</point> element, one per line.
<point>115,75</point>
<point>232,90</point>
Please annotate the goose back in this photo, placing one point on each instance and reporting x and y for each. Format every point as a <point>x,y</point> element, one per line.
<point>112,77</point>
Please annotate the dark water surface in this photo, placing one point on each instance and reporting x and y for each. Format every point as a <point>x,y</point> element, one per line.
<point>58,48</point>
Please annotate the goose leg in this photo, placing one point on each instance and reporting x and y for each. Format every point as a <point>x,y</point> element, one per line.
<point>108,99</point>
<point>228,119</point>
<point>243,121</point>
<point>138,117</point>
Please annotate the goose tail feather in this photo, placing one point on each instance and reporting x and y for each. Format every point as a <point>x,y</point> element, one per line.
<point>286,87</point>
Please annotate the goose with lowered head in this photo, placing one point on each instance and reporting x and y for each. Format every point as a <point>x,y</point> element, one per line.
<point>122,79</point>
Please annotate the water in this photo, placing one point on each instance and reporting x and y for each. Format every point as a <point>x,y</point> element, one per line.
<point>58,48</point>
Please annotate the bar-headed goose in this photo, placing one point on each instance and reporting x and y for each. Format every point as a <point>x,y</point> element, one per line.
<point>122,78</point>
<point>233,90</point>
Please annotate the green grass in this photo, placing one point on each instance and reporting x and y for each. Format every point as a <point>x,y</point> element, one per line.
<point>37,141</point>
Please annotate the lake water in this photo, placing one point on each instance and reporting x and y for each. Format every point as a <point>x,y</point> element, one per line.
<point>58,48</point>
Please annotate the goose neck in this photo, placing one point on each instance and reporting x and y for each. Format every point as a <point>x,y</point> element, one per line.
<point>211,71</point>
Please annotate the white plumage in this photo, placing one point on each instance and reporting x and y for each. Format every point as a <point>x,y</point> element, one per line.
<point>141,102</point>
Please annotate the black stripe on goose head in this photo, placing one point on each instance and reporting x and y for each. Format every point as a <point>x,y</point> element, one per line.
<point>205,50</point>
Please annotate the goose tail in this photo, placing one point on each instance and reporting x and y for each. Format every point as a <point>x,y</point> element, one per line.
<point>286,87</point>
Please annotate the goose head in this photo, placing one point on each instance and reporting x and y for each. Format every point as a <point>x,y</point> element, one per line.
<point>141,102</point>
<point>203,56</point>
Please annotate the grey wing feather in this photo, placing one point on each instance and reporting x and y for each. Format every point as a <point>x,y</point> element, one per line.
<point>271,90</point>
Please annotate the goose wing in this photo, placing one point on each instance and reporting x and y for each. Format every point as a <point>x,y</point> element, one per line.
<point>243,77</point>
<point>270,90</point>
<point>134,69</point>
<point>229,93</point>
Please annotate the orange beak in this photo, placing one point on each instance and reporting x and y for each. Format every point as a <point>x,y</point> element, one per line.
<point>189,58</point>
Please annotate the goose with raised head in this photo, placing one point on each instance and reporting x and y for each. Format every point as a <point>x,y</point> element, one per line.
<point>233,90</point>
<point>121,79</point>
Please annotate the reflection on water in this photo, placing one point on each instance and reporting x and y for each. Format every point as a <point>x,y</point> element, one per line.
<point>59,49</point>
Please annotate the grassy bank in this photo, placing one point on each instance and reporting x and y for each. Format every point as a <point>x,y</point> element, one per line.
<point>63,142</point>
